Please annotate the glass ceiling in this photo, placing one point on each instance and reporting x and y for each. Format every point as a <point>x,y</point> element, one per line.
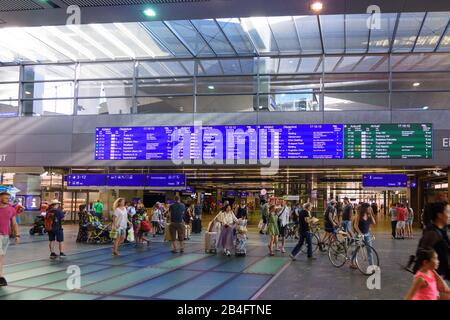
<point>231,37</point>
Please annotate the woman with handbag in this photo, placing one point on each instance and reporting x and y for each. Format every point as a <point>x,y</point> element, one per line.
<point>141,225</point>
<point>119,225</point>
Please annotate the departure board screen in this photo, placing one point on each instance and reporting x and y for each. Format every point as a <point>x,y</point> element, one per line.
<point>319,141</point>
<point>157,180</point>
<point>388,141</point>
<point>385,181</point>
<point>300,141</point>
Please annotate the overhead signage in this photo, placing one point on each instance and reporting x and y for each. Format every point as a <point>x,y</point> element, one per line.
<point>395,181</point>
<point>244,142</point>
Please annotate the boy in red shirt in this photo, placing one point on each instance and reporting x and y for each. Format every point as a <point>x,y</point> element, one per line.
<point>401,221</point>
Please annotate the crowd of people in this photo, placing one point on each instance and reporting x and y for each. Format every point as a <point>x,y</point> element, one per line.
<point>132,222</point>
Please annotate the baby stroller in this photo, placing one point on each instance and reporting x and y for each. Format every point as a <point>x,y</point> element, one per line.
<point>98,233</point>
<point>38,226</point>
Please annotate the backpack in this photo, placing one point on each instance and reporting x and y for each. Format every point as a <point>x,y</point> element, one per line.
<point>49,220</point>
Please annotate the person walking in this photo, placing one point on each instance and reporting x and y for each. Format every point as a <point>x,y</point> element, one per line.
<point>272,228</point>
<point>393,214</point>
<point>330,222</point>
<point>157,216</point>
<point>304,232</point>
<point>264,215</point>
<point>83,219</point>
<point>346,223</point>
<point>435,236</point>
<point>120,224</point>
<point>98,209</point>
<point>187,219</point>
<point>176,226</point>
<point>428,284</point>
<point>7,219</point>
<point>409,222</point>
<point>401,218</point>
<point>364,219</point>
<point>283,221</point>
<point>227,219</point>
<point>53,223</point>
<point>197,223</point>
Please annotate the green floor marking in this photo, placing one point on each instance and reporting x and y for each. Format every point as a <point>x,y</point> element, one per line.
<point>180,261</point>
<point>31,294</point>
<point>35,272</point>
<point>74,296</point>
<point>9,290</point>
<point>123,281</point>
<point>92,277</point>
<point>54,277</point>
<point>268,265</point>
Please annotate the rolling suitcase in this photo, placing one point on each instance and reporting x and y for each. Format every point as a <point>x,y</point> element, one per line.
<point>241,245</point>
<point>210,242</point>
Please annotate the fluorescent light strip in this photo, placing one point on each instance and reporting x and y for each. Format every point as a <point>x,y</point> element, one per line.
<point>94,43</point>
<point>130,35</point>
<point>113,40</point>
<point>77,46</point>
<point>51,43</point>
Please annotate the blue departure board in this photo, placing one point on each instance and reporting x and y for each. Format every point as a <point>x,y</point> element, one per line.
<point>85,180</point>
<point>166,180</point>
<point>385,181</point>
<point>303,141</point>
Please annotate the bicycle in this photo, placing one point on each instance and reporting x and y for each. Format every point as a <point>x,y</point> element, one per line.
<point>318,241</point>
<point>353,251</point>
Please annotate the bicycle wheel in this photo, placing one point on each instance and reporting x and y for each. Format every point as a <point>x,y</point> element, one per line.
<point>363,252</point>
<point>314,243</point>
<point>337,253</point>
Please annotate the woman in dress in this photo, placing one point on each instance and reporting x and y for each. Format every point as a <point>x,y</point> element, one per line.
<point>227,219</point>
<point>272,228</point>
<point>120,224</point>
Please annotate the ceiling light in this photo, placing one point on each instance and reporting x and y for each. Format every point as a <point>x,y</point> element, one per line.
<point>425,107</point>
<point>211,87</point>
<point>316,6</point>
<point>416,84</point>
<point>149,12</point>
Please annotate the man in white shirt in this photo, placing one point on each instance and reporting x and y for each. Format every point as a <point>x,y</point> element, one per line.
<point>283,220</point>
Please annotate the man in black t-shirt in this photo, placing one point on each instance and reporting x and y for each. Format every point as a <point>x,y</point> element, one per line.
<point>346,223</point>
<point>304,232</point>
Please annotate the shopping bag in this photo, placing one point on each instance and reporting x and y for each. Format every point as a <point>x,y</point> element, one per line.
<point>130,236</point>
<point>113,234</point>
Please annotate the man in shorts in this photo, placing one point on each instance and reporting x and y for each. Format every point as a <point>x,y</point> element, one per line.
<point>176,212</point>
<point>57,232</point>
<point>7,218</point>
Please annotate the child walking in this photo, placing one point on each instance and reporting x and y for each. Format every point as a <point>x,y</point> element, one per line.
<point>427,284</point>
<point>272,228</point>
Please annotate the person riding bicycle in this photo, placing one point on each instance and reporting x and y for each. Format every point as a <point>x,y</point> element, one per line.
<point>363,220</point>
<point>330,222</point>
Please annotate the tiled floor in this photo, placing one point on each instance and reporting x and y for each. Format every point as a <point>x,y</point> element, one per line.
<point>141,273</point>
<point>155,273</point>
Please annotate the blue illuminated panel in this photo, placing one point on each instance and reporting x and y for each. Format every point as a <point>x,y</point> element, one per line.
<point>126,180</point>
<point>85,180</point>
<point>320,141</point>
<point>385,181</point>
<point>166,180</point>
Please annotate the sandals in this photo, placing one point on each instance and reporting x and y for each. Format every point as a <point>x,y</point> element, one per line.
<point>173,251</point>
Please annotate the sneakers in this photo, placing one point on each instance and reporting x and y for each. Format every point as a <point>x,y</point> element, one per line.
<point>312,258</point>
<point>3,282</point>
<point>53,256</point>
<point>292,257</point>
<point>62,255</point>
